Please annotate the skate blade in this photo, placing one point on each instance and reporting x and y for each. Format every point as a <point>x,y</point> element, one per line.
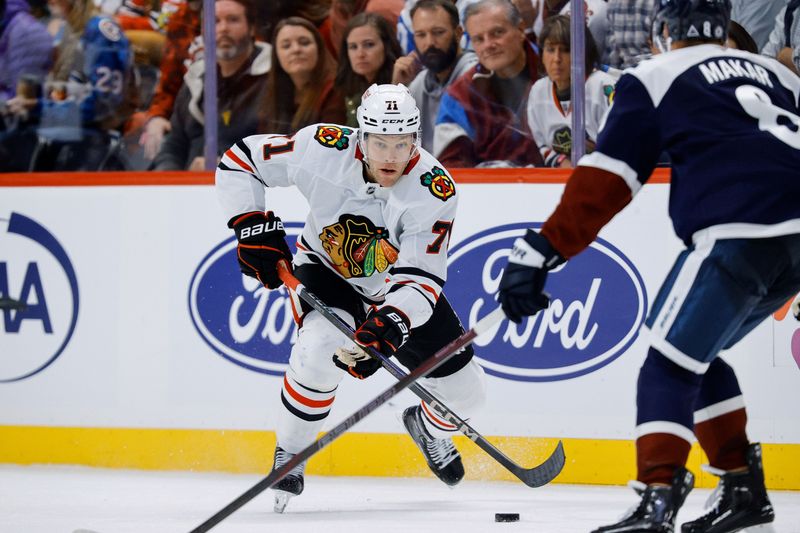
<point>762,528</point>
<point>281,500</point>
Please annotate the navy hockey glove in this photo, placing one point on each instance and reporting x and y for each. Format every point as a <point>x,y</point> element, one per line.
<point>386,329</point>
<point>261,246</point>
<point>522,285</point>
<point>356,362</point>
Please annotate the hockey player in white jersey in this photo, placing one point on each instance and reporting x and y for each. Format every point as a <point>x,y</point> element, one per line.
<point>374,248</point>
<point>729,121</point>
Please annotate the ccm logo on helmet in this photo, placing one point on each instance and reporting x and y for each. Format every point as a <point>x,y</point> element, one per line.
<point>392,121</point>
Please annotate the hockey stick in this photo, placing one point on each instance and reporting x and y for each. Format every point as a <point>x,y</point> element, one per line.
<point>9,303</point>
<point>536,476</point>
<point>429,365</point>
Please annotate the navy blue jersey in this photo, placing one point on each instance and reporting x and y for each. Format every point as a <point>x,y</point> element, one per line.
<point>729,122</point>
<point>98,77</point>
<point>105,64</point>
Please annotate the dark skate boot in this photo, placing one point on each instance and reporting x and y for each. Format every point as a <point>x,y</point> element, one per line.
<point>739,502</point>
<point>441,454</point>
<point>658,508</point>
<point>289,486</point>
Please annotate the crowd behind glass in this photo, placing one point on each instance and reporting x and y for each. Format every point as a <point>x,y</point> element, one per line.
<point>119,84</point>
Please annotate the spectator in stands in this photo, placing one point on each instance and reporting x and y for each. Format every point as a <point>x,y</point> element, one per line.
<point>757,17</point>
<point>136,15</point>
<point>437,34</point>
<point>25,47</point>
<point>144,26</point>
<point>596,16</point>
<point>367,56</point>
<point>780,44</point>
<point>300,87</point>
<point>549,104</point>
<point>405,31</point>
<point>344,10</point>
<point>629,27</point>
<point>270,12</point>
<point>482,119</point>
<point>739,38</point>
<point>242,69</point>
<point>183,43</point>
<point>86,91</point>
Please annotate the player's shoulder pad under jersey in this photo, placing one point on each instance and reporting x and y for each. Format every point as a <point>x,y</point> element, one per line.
<point>431,174</point>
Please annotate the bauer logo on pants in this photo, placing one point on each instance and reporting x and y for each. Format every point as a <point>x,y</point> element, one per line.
<point>238,318</point>
<point>598,304</point>
<point>36,271</point>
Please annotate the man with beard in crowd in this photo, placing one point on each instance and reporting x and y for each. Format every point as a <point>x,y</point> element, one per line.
<point>437,33</point>
<point>482,120</point>
<point>242,69</point>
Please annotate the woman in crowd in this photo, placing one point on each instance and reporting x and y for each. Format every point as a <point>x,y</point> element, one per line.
<point>549,109</point>
<point>369,50</point>
<point>300,86</point>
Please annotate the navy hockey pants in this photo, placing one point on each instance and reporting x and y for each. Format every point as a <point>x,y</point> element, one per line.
<point>714,295</point>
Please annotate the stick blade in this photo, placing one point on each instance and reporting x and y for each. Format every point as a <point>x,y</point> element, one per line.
<point>547,471</point>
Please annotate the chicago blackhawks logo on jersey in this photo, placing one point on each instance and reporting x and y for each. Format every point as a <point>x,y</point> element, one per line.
<point>333,137</point>
<point>439,183</point>
<point>357,247</point>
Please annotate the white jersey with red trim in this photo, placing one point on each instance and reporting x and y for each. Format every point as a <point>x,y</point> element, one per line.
<point>390,244</point>
<point>551,121</point>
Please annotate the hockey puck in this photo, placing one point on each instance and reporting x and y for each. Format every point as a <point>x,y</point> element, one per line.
<point>506,517</point>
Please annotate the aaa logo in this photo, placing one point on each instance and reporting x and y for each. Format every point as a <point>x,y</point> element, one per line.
<point>439,183</point>
<point>357,248</point>
<point>333,137</point>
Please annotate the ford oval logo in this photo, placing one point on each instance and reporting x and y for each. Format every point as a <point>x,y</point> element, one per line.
<point>599,303</point>
<point>36,270</point>
<point>240,319</point>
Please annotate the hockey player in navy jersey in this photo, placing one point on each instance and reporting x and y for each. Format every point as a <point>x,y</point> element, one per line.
<point>374,247</point>
<point>729,122</point>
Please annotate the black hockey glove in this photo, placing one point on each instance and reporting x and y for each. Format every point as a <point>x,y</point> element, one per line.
<point>386,329</point>
<point>356,362</point>
<point>522,285</point>
<point>261,246</point>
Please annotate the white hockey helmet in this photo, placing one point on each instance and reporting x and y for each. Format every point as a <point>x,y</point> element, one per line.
<point>388,110</point>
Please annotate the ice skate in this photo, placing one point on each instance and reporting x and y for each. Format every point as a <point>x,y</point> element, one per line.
<point>441,454</point>
<point>657,509</point>
<point>739,503</point>
<point>291,485</point>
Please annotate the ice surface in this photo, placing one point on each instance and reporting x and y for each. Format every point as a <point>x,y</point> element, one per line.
<point>43,499</point>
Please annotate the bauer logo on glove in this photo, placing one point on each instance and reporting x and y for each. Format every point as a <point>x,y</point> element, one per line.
<point>257,229</point>
<point>386,329</point>
<point>262,245</point>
